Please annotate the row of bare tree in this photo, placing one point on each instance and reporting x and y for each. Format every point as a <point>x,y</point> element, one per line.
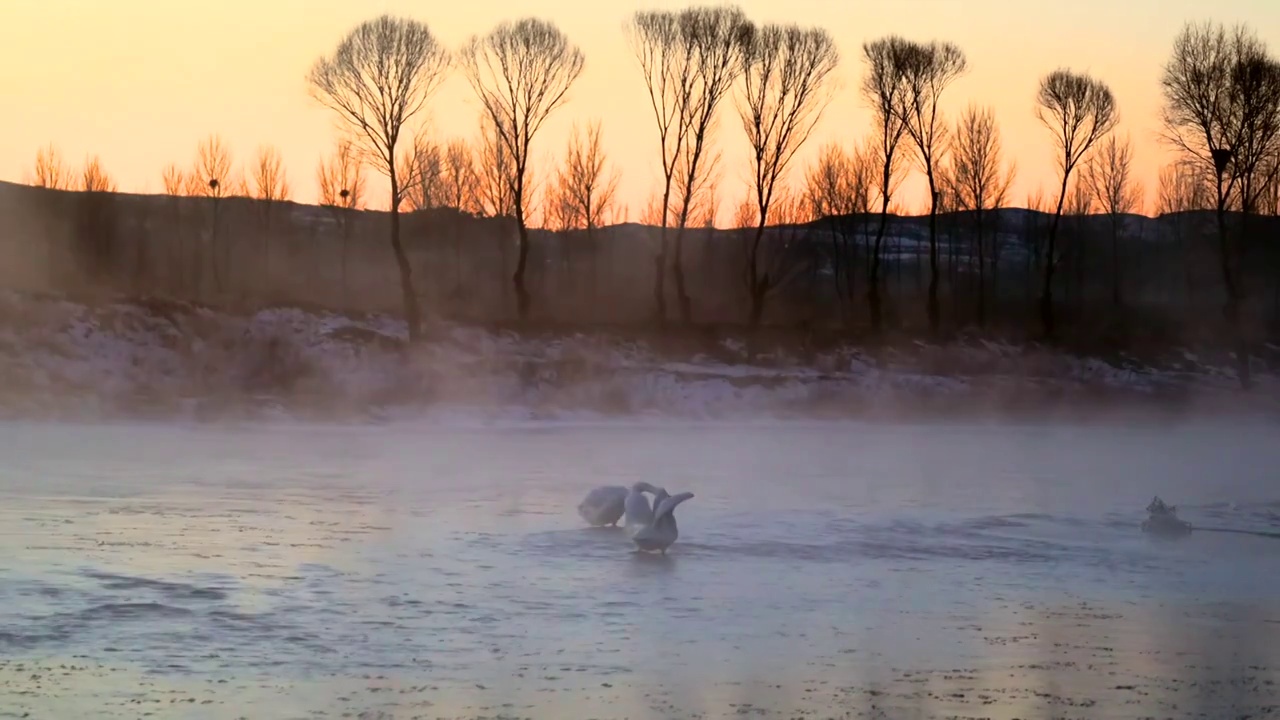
<point>1221,114</point>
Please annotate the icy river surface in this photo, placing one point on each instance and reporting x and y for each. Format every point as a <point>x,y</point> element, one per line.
<point>822,570</point>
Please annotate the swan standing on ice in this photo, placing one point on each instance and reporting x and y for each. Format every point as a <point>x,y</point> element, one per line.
<point>604,505</point>
<point>653,529</point>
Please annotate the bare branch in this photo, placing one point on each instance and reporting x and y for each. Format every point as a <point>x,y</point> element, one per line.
<point>175,180</point>
<point>582,193</point>
<point>377,82</point>
<point>94,178</point>
<point>494,171</point>
<point>269,180</point>
<point>1108,175</point>
<point>343,171</point>
<point>210,175</point>
<point>976,179</point>
<point>460,181</point>
<point>1079,111</point>
<point>841,182</point>
<point>1184,186</point>
<point>421,171</point>
<point>51,172</point>
<point>521,72</point>
<point>784,91</point>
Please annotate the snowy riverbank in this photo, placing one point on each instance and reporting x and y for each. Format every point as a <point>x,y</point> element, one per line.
<point>67,360</point>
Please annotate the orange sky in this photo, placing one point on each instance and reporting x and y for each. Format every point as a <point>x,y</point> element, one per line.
<point>140,82</point>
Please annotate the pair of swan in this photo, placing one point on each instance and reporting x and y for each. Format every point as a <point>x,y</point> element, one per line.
<point>651,527</point>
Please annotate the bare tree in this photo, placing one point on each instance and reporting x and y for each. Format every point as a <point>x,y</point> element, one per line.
<point>269,179</point>
<point>175,180</point>
<point>459,181</point>
<point>784,254</point>
<point>377,81</point>
<point>1183,188</point>
<point>210,174</point>
<point>1108,174</point>
<point>51,172</point>
<point>928,70</point>
<point>422,168</point>
<point>583,194</point>
<point>584,186</point>
<point>94,178</point>
<point>785,76</point>
<point>884,88</point>
<point>210,177</point>
<point>839,189</point>
<point>341,177</point>
<point>1079,110</point>
<point>690,60</point>
<point>494,167</point>
<point>522,72</point>
<point>1222,110</point>
<point>977,181</point>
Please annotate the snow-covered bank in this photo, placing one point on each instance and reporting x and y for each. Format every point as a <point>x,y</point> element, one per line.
<point>165,359</point>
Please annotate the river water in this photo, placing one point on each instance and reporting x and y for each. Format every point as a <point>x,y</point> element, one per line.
<point>823,570</point>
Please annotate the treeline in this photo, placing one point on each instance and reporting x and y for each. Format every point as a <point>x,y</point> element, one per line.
<point>1221,117</point>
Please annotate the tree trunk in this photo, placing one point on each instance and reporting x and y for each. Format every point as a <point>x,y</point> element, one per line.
<point>523,301</point>
<point>1115,261</point>
<point>677,271</point>
<point>342,259</point>
<point>1050,263</point>
<point>757,285</point>
<point>409,297</point>
<point>660,263</point>
<point>982,274</point>
<point>874,304</point>
<point>1230,284</point>
<point>934,308</point>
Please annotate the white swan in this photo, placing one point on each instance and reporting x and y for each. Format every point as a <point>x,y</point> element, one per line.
<point>661,532</point>
<point>603,505</point>
<point>639,514</point>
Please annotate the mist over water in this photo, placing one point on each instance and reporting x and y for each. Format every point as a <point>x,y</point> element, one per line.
<point>413,570</point>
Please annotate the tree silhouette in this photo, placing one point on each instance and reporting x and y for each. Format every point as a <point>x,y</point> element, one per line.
<point>50,171</point>
<point>175,180</point>
<point>928,68</point>
<point>690,60</point>
<point>1222,110</point>
<point>784,89</point>
<point>1079,111</point>
<point>839,187</point>
<point>493,168</point>
<point>377,81</point>
<point>586,192</point>
<point>522,72</point>
<point>269,178</point>
<point>1108,174</point>
<point>93,178</point>
<point>210,174</point>
<point>423,170</point>
<point>341,177</point>
<point>977,181</point>
<point>884,88</point>
<point>460,181</point>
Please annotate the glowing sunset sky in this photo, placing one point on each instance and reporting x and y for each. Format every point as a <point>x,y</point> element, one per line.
<point>141,82</point>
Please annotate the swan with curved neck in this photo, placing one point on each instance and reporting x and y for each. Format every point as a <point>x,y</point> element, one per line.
<point>661,531</point>
<point>604,505</point>
<point>636,507</point>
